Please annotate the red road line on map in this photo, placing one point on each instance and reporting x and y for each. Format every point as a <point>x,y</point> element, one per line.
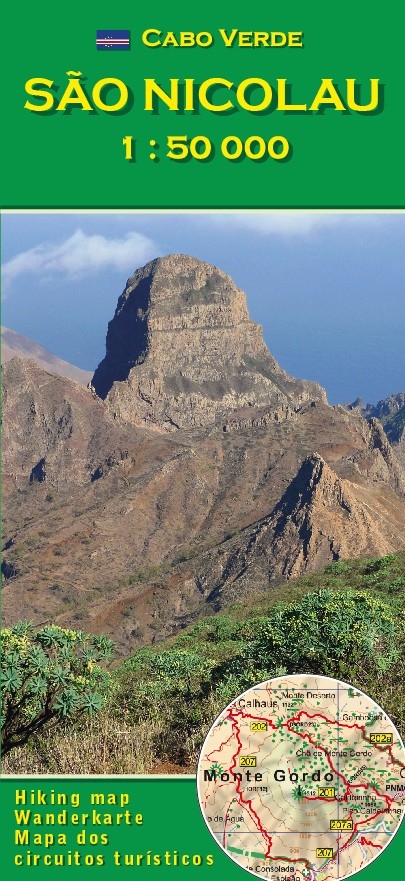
<point>306,735</point>
<point>361,728</point>
<point>240,745</point>
<point>317,746</point>
<point>325,719</point>
<point>370,843</point>
<point>288,860</point>
<point>355,829</point>
<point>247,802</point>
<point>221,747</point>
<point>388,749</point>
<point>251,716</point>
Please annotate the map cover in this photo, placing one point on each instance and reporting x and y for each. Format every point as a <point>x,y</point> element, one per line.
<point>209,550</point>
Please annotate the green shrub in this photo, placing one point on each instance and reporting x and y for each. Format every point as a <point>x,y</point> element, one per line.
<point>49,675</point>
<point>336,633</point>
<point>348,634</point>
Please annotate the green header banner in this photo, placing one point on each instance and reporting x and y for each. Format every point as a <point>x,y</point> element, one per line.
<point>207,105</point>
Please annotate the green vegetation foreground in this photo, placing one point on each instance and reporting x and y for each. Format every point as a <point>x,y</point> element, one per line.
<point>346,622</point>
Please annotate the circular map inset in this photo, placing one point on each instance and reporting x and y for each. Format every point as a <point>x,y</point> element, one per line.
<point>302,777</point>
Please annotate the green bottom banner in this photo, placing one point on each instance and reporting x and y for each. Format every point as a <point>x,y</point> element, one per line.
<point>124,826</point>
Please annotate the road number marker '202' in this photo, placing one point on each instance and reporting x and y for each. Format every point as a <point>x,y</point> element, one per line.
<point>232,147</point>
<point>258,726</point>
<point>380,738</point>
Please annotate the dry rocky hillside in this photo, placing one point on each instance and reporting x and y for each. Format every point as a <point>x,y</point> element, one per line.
<point>391,412</point>
<point>16,345</point>
<point>191,472</point>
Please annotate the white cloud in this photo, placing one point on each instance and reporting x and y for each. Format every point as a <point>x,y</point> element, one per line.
<point>80,255</point>
<point>291,223</point>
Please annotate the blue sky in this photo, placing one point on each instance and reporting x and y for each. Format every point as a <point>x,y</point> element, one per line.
<point>328,288</point>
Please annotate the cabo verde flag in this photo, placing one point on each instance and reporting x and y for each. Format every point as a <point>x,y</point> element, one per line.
<point>112,39</point>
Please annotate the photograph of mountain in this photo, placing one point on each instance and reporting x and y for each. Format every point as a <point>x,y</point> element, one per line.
<point>200,516</point>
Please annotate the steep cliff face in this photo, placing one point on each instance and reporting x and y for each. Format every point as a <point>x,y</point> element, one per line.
<point>247,477</point>
<point>391,413</point>
<point>181,350</point>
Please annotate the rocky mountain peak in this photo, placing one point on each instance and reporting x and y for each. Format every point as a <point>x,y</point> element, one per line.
<point>315,484</point>
<point>181,350</point>
<point>318,520</point>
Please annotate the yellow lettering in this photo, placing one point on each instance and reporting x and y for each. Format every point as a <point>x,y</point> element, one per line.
<point>278,39</point>
<point>327,94</point>
<point>282,104</point>
<point>39,93</point>
<point>228,40</point>
<point>189,94</point>
<point>268,94</point>
<point>294,38</point>
<point>362,108</point>
<point>74,94</point>
<point>207,41</point>
<point>214,81</point>
<point>152,88</point>
<point>261,38</point>
<point>187,39</point>
<point>146,35</point>
<point>245,38</point>
<point>122,100</point>
<point>170,39</point>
